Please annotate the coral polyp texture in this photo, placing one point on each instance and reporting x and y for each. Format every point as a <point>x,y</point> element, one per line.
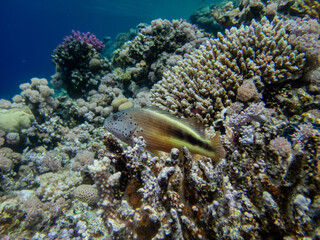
<point>206,80</point>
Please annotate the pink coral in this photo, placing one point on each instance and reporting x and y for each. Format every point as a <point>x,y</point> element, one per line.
<point>88,38</point>
<point>248,91</point>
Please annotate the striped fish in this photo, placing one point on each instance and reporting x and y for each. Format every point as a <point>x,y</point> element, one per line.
<point>162,132</point>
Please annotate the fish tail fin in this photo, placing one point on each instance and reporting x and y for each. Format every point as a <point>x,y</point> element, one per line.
<point>219,150</point>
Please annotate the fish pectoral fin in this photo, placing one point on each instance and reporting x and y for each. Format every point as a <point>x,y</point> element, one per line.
<point>197,157</point>
<point>219,150</point>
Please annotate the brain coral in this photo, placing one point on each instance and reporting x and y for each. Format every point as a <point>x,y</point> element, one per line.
<point>87,193</point>
<point>206,81</point>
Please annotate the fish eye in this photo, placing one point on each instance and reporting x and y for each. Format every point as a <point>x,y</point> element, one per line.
<point>114,117</point>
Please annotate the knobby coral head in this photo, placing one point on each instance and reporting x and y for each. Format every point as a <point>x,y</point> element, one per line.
<point>88,38</point>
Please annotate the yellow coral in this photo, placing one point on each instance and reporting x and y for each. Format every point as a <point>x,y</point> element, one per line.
<point>13,120</point>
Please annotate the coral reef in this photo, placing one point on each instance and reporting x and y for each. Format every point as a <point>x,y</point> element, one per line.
<point>56,185</point>
<point>63,176</point>
<point>203,19</point>
<point>143,60</point>
<point>229,15</point>
<point>78,64</point>
<point>146,197</point>
<point>207,80</point>
<point>87,193</point>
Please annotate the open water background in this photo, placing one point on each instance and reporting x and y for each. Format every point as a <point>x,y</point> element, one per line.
<point>32,29</point>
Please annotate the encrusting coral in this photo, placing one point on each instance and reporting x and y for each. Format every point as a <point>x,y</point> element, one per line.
<point>56,185</point>
<point>206,80</point>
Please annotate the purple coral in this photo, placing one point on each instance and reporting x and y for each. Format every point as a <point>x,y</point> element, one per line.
<point>88,38</point>
<point>255,112</point>
<point>304,133</point>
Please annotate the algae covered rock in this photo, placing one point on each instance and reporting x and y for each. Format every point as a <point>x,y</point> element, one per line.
<point>13,120</point>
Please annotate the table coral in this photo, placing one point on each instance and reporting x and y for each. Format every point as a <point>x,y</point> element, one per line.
<point>207,80</point>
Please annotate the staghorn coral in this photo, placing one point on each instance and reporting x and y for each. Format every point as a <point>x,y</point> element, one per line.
<point>300,8</point>
<point>229,16</point>
<point>148,182</point>
<point>207,80</point>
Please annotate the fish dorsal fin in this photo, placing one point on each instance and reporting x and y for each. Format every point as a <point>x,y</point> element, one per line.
<point>195,124</point>
<point>192,122</point>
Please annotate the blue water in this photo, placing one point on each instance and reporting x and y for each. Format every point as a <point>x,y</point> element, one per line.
<point>31,30</point>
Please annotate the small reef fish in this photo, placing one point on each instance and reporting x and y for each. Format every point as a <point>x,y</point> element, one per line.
<point>162,132</point>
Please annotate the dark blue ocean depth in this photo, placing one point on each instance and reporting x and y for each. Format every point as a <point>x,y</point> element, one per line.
<point>31,30</point>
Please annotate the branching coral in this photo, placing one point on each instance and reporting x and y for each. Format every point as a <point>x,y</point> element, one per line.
<point>246,196</point>
<point>228,16</point>
<point>207,80</point>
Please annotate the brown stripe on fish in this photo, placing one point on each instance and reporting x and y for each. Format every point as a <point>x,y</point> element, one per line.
<point>190,139</point>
